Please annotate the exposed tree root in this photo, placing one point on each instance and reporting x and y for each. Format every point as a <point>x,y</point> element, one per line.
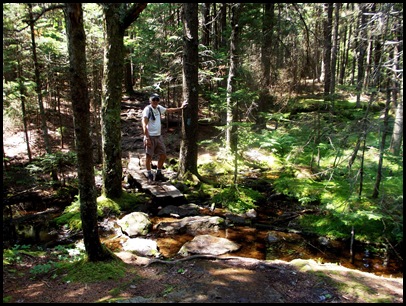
<point>207,256</point>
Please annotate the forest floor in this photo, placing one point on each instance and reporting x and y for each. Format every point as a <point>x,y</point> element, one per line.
<point>204,280</point>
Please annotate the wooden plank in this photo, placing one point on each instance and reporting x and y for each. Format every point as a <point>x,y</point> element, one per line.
<point>145,185</point>
<point>171,190</point>
<point>157,189</point>
<point>166,187</point>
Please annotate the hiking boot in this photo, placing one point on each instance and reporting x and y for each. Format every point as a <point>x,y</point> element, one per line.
<point>150,178</point>
<point>160,177</point>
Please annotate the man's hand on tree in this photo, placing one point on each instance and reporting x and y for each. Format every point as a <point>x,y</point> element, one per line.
<point>184,104</point>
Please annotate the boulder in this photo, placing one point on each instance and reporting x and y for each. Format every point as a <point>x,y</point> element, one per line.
<point>135,224</point>
<point>141,247</point>
<point>195,225</point>
<point>179,211</point>
<point>207,244</point>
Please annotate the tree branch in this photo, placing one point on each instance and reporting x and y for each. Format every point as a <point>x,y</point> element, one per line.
<point>133,13</point>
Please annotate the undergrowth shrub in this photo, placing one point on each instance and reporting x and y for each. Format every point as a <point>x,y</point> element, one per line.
<point>105,207</point>
<point>237,199</point>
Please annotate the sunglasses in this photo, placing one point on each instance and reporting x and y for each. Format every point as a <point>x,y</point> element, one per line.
<point>155,99</point>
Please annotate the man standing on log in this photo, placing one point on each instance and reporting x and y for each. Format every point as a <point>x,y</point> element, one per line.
<point>153,140</point>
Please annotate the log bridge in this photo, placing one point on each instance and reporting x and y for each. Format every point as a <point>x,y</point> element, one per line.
<point>159,190</point>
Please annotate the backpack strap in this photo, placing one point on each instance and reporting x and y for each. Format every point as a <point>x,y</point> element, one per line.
<point>151,113</point>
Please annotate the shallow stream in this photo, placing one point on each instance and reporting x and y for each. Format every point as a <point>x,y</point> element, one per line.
<point>256,241</point>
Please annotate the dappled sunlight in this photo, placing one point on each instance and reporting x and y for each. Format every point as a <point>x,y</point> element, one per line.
<point>68,292</point>
<point>77,291</point>
<point>14,143</point>
<point>229,274</point>
<point>351,279</point>
<point>261,156</point>
<point>205,158</point>
<point>36,289</point>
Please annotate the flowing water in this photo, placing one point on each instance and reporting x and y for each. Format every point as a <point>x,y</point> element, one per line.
<point>271,244</point>
<point>256,242</point>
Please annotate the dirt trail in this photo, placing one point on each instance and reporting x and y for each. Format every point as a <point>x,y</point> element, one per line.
<point>208,281</point>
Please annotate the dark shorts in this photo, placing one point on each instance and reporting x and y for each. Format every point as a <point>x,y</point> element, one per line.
<point>157,146</point>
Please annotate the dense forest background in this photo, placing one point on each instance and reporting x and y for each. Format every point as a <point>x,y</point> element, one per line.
<point>316,88</point>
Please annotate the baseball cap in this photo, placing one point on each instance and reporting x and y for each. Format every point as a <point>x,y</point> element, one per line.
<point>154,96</point>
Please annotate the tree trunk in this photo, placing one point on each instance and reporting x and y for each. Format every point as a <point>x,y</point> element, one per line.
<point>361,53</point>
<point>346,34</point>
<point>266,48</point>
<point>335,49</point>
<point>83,141</point>
<point>231,131</point>
<point>129,76</point>
<point>61,127</point>
<point>327,25</point>
<point>223,25</point>
<point>363,133</point>
<point>188,147</point>
<point>206,24</point>
<point>397,88</point>
<point>116,20</point>
<point>382,145</point>
<point>23,94</point>
<point>223,44</point>
<point>111,101</point>
<point>95,114</point>
<point>4,159</point>
<point>38,83</point>
<point>397,134</point>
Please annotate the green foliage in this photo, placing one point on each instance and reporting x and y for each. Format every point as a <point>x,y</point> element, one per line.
<point>58,161</point>
<point>127,202</point>
<point>313,150</point>
<point>7,299</point>
<point>105,207</point>
<point>315,156</point>
<point>84,271</point>
<point>237,199</point>
<point>62,130</point>
<point>276,142</point>
<point>42,269</point>
<point>71,253</point>
<point>59,257</point>
<point>209,145</point>
<point>168,289</point>
<point>305,190</point>
<point>202,192</point>
<point>12,113</point>
<point>13,255</point>
<point>218,168</point>
<point>71,216</point>
<point>329,225</point>
<point>217,101</point>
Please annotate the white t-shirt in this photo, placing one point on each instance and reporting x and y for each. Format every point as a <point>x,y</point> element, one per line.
<point>154,126</point>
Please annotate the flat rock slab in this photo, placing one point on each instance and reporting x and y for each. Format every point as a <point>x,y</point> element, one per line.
<point>207,244</point>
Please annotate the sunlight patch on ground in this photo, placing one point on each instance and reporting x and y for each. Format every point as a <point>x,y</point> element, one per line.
<point>204,158</point>
<point>311,265</point>
<point>229,274</point>
<point>351,279</point>
<point>14,144</point>
<point>257,155</point>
